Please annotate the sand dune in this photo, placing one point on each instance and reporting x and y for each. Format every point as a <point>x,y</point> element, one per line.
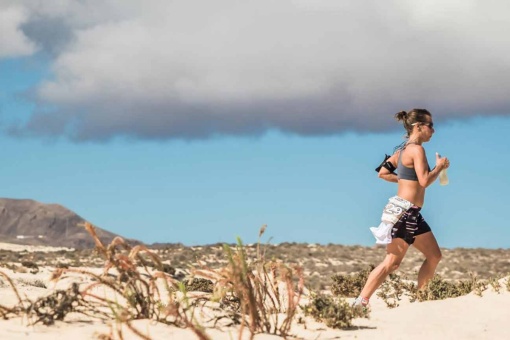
<point>465,317</point>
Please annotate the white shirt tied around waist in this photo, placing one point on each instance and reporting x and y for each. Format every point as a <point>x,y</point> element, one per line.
<point>392,212</point>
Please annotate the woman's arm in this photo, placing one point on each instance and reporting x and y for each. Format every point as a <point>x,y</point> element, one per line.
<point>386,174</point>
<point>421,166</point>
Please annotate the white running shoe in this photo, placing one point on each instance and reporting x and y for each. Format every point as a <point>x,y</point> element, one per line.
<point>360,303</point>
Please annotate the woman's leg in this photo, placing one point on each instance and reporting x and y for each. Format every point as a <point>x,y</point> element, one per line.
<point>427,244</point>
<point>395,252</point>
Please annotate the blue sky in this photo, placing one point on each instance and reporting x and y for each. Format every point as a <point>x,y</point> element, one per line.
<point>201,129</point>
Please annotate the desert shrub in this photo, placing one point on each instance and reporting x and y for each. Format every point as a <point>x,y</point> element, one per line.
<point>394,288</point>
<point>350,285</point>
<point>33,283</point>
<point>57,305</point>
<point>495,284</point>
<point>199,285</point>
<point>334,312</point>
<point>439,289</point>
<point>166,268</point>
<point>256,290</point>
<point>31,265</point>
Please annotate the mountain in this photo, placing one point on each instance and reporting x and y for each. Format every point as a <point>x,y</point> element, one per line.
<point>25,221</point>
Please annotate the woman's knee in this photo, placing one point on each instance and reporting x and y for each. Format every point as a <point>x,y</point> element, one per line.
<point>391,265</point>
<point>435,257</point>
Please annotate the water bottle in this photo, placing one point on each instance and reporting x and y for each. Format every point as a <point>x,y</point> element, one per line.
<point>443,175</point>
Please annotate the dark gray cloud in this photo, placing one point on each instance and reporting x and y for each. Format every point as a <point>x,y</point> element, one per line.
<point>307,67</point>
<point>13,43</point>
<point>51,34</point>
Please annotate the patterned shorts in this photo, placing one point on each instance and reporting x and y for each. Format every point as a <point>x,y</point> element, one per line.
<point>410,225</point>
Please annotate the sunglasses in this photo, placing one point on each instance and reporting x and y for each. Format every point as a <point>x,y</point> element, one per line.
<point>430,125</point>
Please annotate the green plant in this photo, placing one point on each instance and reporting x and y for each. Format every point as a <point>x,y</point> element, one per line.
<point>394,288</point>
<point>494,282</point>
<point>257,290</point>
<point>137,295</point>
<point>334,312</point>
<point>199,285</point>
<point>440,289</point>
<point>33,283</point>
<point>437,288</point>
<point>350,285</point>
<point>29,264</point>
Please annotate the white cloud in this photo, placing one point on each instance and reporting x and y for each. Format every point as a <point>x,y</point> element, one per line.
<point>13,43</point>
<point>192,69</point>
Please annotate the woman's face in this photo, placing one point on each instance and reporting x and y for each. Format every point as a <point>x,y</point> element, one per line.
<point>427,128</point>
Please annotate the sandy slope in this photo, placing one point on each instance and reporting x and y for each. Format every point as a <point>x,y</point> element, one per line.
<point>467,317</point>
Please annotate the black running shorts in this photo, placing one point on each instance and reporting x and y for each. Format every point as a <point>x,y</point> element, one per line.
<point>410,225</point>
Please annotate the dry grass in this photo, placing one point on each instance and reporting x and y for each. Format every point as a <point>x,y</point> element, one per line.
<point>258,291</point>
<point>320,263</point>
<point>135,284</point>
<point>258,287</point>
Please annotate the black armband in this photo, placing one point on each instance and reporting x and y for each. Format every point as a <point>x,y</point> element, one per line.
<point>387,165</point>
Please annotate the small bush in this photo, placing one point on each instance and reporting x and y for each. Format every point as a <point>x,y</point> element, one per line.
<point>494,282</point>
<point>199,285</point>
<point>395,287</point>
<point>350,285</point>
<point>57,305</point>
<point>33,283</point>
<point>440,289</point>
<point>256,290</point>
<point>34,268</point>
<point>335,313</point>
<point>29,264</point>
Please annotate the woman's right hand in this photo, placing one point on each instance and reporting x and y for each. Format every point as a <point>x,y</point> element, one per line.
<point>442,162</point>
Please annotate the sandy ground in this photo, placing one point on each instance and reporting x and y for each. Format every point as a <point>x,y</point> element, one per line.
<point>466,317</point>
<point>20,247</point>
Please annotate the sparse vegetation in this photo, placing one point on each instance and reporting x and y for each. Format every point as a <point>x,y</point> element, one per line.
<point>135,277</point>
<point>33,283</point>
<point>396,287</point>
<point>334,312</point>
<point>350,285</point>
<point>257,291</point>
<point>320,263</point>
<point>199,285</point>
<point>258,287</point>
